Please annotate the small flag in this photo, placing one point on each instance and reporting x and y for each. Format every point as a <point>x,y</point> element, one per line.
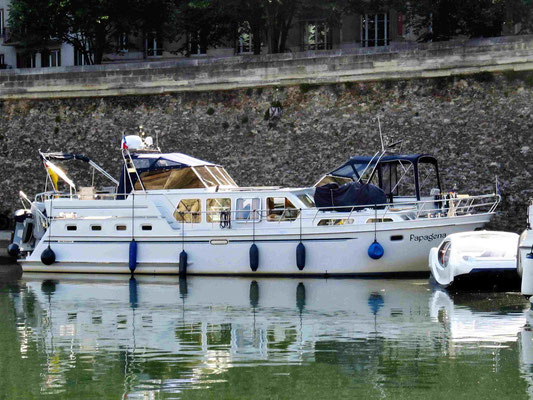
<point>52,174</point>
<point>124,144</point>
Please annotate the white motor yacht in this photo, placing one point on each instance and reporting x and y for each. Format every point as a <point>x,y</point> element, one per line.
<point>170,213</point>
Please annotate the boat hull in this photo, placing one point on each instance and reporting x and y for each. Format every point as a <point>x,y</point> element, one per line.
<point>343,253</point>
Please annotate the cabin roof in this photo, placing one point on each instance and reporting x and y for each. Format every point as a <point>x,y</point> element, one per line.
<point>175,160</point>
<point>360,162</point>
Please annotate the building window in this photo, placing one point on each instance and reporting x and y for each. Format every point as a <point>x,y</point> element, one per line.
<point>2,21</point>
<point>25,60</point>
<point>2,62</point>
<point>154,45</point>
<point>189,210</point>
<point>248,210</point>
<point>51,58</point>
<point>375,30</point>
<point>79,58</point>
<point>197,43</point>
<point>281,209</point>
<point>215,207</point>
<point>122,43</point>
<point>317,35</point>
<point>245,42</point>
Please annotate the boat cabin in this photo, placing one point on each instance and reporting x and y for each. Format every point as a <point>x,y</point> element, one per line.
<point>165,171</point>
<point>399,176</point>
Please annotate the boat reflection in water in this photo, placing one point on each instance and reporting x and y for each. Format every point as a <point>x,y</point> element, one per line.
<point>162,334</point>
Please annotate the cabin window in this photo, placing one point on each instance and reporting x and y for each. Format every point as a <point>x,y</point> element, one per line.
<point>96,227</point>
<point>389,179</point>
<point>248,210</point>
<point>374,220</point>
<point>182,178</point>
<point>403,179</point>
<point>72,228</point>
<point>307,200</point>
<point>333,179</point>
<point>219,175</point>
<point>215,207</point>
<point>226,175</point>
<point>189,210</point>
<point>207,177</point>
<point>146,227</point>
<point>427,179</point>
<point>281,209</point>
<point>120,227</point>
<point>396,238</point>
<point>335,221</point>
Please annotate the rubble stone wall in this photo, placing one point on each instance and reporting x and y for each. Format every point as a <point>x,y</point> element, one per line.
<point>479,127</point>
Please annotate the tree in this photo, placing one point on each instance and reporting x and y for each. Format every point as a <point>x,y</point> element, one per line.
<point>88,25</point>
<point>202,24</point>
<point>435,20</point>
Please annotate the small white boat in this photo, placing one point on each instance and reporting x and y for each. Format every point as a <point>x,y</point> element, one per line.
<point>525,256</point>
<point>476,260</point>
<point>170,213</point>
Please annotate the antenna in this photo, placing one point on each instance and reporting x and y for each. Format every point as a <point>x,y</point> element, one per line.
<point>381,136</point>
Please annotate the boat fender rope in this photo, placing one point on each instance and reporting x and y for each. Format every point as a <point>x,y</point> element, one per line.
<point>48,257</point>
<point>375,251</point>
<point>132,261</point>
<point>254,250</point>
<point>300,249</point>
<point>183,255</point>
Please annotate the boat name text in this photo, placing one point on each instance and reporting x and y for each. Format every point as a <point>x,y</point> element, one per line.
<point>427,238</point>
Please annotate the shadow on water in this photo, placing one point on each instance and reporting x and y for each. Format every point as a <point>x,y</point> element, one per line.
<point>82,336</point>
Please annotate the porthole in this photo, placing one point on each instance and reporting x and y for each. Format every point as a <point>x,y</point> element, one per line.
<point>96,227</point>
<point>72,228</point>
<point>146,227</point>
<point>121,227</point>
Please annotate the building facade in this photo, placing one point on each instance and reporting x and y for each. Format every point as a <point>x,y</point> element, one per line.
<point>306,34</point>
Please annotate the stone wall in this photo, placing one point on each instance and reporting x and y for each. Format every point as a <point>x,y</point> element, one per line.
<point>479,126</point>
<point>409,60</point>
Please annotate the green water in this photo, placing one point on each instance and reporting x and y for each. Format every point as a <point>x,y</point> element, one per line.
<point>69,336</point>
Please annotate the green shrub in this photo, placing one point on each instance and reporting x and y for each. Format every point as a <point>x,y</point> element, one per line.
<point>306,87</point>
<point>210,111</point>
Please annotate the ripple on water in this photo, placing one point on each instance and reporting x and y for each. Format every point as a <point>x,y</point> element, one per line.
<point>88,337</point>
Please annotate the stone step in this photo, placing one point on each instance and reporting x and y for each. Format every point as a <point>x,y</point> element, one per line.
<point>5,239</point>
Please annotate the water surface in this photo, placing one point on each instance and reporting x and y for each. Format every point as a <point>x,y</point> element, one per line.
<point>77,336</point>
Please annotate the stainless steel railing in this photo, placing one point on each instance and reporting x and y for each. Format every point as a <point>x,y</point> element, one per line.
<point>410,210</point>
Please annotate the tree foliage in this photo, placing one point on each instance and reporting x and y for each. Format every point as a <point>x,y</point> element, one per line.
<point>91,26</point>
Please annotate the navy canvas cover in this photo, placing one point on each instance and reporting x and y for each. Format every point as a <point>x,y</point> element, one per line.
<point>349,194</point>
